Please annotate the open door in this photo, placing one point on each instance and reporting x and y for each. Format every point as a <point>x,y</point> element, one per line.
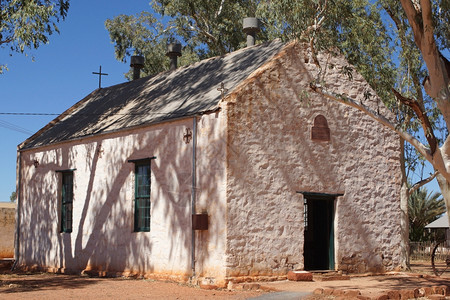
<point>319,231</point>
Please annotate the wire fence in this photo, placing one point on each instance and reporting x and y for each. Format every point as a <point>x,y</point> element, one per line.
<point>421,250</point>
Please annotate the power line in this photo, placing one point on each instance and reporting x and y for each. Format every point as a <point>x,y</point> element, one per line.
<point>85,114</point>
<point>14,127</point>
<point>28,114</point>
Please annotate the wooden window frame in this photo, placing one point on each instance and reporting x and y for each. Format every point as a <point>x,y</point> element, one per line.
<point>66,201</point>
<point>142,191</point>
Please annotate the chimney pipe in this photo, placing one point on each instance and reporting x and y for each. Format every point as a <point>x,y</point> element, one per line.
<point>251,27</point>
<point>173,51</point>
<point>137,63</point>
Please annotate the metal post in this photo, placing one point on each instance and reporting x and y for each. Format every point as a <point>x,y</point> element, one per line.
<point>19,195</point>
<point>194,192</point>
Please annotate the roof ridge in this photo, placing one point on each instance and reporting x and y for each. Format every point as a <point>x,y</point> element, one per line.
<point>186,91</point>
<point>192,65</point>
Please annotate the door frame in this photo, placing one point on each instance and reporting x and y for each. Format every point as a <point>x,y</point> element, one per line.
<point>315,196</point>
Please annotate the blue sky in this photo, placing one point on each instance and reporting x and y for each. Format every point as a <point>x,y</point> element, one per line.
<point>60,76</point>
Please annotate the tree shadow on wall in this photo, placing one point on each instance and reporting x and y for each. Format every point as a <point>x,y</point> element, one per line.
<point>264,137</point>
<point>103,237</point>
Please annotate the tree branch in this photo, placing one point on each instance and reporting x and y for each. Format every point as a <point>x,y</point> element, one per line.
<point>422,182</point>
<point>199,20</point>
<point>427,19</point>
<point>219,11</point>
<point>318,21</point>
<point>424,121</point>
<point>9,40</point>
<point>413,16</point>
<point>436,85</point>
<point>393,17</point>
<point>376,116</point>
<point>437,159</point>
<point>314,55</point>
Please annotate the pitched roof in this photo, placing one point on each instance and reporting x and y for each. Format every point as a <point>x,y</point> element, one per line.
<point>442,222</point>
<point>186,91</point>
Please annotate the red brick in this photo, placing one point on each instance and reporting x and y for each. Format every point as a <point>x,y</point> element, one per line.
<point>426,290</point>
<point>436,297</point>
<point>208,286</point>
<point>393,295</point>
<point>419,292</point>
<point>382,297</point>
<point>440,290</point>
<point>328,292</point>
<point>444,290</point>
<point>352,293</point>
<point>299,276</point>
<point>406,294</point>
<point>338,293</point>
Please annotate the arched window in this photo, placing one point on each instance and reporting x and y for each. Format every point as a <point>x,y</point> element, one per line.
<point>320,130</point>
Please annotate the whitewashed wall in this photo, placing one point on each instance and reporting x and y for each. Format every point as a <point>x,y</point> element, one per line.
<point>271,156</point>
<point>103,212</point>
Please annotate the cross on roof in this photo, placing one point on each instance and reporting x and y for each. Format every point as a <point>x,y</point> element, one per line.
<point>99,73</point>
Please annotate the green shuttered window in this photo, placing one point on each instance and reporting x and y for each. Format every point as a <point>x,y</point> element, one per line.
<point>142,196</point>
<point>66,201</point>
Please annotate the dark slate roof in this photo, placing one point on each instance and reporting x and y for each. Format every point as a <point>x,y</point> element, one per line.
<point>187,91</point>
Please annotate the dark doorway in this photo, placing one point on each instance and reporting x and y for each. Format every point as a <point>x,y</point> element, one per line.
<point>319,231</point>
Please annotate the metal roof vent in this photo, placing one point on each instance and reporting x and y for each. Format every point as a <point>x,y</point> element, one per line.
<point>173,51</point>
<point>251,27</point>
<point>137,63</point>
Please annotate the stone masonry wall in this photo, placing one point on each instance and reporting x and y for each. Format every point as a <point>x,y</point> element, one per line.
<point>271,156</point>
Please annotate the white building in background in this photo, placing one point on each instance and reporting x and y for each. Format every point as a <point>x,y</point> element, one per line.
<point>441,223</point>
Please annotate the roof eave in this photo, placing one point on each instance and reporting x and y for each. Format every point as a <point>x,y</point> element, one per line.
<point>206,112</point>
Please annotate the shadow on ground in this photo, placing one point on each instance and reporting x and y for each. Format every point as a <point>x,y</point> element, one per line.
<point>19,283</point>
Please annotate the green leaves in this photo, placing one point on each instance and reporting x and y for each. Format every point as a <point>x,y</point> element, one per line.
<point>13,196</point>
<point>205,28</point>
<point>28,24</point>
<point>145,35</point>
<point>375,37</point>
<point>423,208</point>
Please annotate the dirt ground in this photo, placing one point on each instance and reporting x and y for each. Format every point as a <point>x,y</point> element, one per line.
<point>51,286</point>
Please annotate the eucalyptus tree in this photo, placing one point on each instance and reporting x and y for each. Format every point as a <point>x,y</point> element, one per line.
<point>28,24</point>
<point>421,32</point>
<point>205,28</point>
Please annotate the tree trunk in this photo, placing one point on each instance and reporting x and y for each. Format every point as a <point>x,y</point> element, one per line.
<point>443,178</point>
<point>404,222</point>
<point>445,191</point>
